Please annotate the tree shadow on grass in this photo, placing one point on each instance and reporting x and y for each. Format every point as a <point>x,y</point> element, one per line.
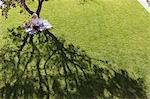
<point>43,66</point>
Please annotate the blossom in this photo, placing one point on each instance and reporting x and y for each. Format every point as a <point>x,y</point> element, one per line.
<point>1,3</point>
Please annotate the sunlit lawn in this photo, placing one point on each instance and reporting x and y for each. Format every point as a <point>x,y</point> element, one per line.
<point>113,30</point>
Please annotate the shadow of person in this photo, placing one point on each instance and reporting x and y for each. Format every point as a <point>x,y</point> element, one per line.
<point>43,66</point>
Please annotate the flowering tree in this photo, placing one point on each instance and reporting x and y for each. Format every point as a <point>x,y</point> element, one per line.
<point>43,66</point>
<point>21,3</point>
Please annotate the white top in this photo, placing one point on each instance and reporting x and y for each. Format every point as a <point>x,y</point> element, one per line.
<point>36,22</point>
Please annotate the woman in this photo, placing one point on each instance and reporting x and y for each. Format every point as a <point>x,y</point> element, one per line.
<point>39,24</point>
<point>35,22</point>
<point>36,25</point>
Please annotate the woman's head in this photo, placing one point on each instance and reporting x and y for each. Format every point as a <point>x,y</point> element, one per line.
<point>34,16</point>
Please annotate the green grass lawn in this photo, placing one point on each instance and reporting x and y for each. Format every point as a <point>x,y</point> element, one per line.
<point>113,30</point>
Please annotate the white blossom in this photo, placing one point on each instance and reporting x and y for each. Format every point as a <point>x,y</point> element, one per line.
<point>1,3</point>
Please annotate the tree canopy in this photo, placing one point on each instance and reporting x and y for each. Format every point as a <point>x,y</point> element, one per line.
<point>8,4</point>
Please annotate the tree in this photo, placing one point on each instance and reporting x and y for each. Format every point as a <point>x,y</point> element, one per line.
<point>43,66</point>
<point>21,3</point>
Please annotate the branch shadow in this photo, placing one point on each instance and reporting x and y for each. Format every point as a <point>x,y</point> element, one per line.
<point>43,66</point>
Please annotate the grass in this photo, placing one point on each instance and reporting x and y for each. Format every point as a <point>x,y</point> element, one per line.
<point>113,30</point>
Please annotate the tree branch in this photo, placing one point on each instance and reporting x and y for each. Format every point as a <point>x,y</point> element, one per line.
<point>40,3</point>
<point>26,7</point>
